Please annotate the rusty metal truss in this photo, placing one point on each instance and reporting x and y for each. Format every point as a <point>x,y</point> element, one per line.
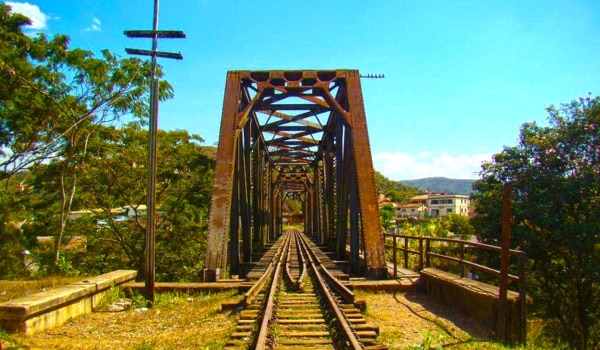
<point>298,134</point>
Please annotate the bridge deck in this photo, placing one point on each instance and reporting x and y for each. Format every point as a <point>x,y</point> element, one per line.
<point>259,269</point>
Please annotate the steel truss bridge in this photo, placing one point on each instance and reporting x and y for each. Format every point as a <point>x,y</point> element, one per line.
<point>298,134</point>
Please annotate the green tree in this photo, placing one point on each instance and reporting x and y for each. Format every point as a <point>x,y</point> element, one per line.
<point>17,104</point>
<point>55,98</point>
<point>555,171</point>
<point>394,190</point>
<point>12,242</point>
<point>115,176</point>
<point>14,213</point>
<point>460,225</point>
<point>387,213</point>
<point>437,228</point>
<point>47,90</point>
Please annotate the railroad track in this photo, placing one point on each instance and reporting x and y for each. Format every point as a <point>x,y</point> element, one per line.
<point>299,304</point>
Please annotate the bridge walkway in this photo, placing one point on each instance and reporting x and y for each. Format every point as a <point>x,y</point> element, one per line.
<point>259,268</point>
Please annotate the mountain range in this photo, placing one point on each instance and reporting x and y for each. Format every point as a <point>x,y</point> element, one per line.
<point>442,184</point>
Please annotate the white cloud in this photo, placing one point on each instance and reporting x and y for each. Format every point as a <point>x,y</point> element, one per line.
<point>95,26</point>
<point>38,18</point>
<point>403,166</point>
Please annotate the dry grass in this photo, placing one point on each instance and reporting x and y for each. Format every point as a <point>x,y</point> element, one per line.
<point>406,321</point>
<point>175,322</point>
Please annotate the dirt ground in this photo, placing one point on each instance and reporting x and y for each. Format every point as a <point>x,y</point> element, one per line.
<point>406,321</point>
<point>411,320</point>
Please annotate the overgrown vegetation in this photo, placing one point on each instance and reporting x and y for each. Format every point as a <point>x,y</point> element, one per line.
<point>394,190</point>
<point>412,321</point>
<point>74,161</point>
<point>455,225</point>
<point>555,173</point>
<point>452,226</point>
<point>177,321</point>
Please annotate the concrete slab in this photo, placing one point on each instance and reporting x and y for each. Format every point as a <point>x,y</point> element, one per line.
<point>56,306</point>
<point>106,280</point>
<point>391,285</point>
<point>31,305</point>
<point>473,298</point>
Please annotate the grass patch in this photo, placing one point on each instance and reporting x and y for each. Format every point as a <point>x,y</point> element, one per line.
<point>177,321</point>
<point>112,295</point>
<point>8,343</point>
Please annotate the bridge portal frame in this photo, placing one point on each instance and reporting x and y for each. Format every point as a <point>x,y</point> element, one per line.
<point>315,148</point>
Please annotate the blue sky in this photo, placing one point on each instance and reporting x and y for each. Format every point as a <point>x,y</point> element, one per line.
<point>461,77</point>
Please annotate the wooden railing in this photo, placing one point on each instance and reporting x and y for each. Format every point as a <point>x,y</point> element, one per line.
<point>456,252</point>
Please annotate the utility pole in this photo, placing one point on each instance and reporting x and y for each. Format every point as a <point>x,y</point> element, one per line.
<point>154,34</point>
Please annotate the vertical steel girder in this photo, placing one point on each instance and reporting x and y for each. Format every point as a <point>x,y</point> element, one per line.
<point>364,175</point>
<point>300,134</point>
<point>220,206</point>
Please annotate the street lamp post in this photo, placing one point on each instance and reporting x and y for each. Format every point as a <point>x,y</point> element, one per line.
<point>154,34</point>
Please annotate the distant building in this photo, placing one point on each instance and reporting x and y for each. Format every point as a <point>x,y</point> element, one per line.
<point>433,205</point>
<point>383,201</point>
<point>445,204</point>
<point>411,210</point>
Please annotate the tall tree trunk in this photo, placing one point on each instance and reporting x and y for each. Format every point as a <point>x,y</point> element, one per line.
<point>67,194</point>
<point>65,209</point>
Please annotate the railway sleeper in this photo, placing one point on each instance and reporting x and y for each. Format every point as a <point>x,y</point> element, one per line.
<point>301,320</point>
<point>318,327</point>
<point>297,321</point>
<point>303,342</point>
<point>303,347</point>
<point>311,334</point>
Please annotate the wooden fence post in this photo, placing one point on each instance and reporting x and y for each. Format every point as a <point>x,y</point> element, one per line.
<point>504,263</point>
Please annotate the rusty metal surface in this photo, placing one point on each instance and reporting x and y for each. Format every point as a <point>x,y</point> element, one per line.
<point>294,134</point>
<point>220,207</point>
<point>369,209</point>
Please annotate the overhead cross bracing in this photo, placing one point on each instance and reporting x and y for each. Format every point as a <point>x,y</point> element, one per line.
<point>298,134</point>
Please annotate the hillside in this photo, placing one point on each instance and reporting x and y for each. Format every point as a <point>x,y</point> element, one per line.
<point>442,184</point>
<point>394,190</point>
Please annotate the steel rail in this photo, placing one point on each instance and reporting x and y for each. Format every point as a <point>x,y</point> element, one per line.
<point>258,286</point>
<point>261,338</point>
<point>288,271</point>
<point>297,283</point>
<point>342,321</point>
<point>302,264</point>
<point>341,289</point>
<point>322,279</point>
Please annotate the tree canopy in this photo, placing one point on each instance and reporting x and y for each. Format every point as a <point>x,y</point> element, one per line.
<point>71,141</point>
<point>555,172</point>
<point>53,99</point>
<point>50,92</point>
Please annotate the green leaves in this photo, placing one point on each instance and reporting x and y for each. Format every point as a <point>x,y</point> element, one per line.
<point>115,176</point>
<point>55,102</point>
<point>394,190</point>
<point>555,171</point>
<point>49,92</point>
